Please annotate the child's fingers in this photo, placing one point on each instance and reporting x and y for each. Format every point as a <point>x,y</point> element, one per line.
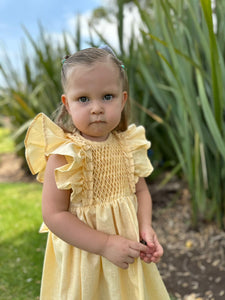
<point>123,265</point>
<point>134,253</point>
<point>146,257</point>
<point>139,247</point>
<point>158,249</point>
<point>143,248</point>
<point>150,243</point>
<point>142,255</point>
<point>130,260</point>
<point>155,259</point>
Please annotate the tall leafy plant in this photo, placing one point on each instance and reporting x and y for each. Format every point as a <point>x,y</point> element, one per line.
<point>181,66</point>
<point>37,87</point>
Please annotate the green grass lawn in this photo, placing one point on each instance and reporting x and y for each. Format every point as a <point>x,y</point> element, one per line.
<point>21,246</point>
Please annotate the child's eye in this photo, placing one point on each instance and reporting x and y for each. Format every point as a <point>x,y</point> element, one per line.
<point>108,97</point>
<point>83,99</point>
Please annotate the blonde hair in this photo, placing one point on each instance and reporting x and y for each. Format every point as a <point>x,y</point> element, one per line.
<point>87,57</point>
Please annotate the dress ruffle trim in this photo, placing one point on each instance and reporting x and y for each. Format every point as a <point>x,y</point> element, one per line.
<point>43,138</point>
<point>136,144</point>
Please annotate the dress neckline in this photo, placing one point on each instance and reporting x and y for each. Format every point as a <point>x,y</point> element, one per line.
<point>78,135</point>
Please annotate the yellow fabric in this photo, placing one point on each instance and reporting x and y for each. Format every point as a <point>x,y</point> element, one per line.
<point>102,176</point>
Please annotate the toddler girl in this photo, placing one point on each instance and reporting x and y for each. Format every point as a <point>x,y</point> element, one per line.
<point>96,205</point>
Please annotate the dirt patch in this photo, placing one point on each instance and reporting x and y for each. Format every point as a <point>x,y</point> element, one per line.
<point>10,168</point>
<point>193,265</point>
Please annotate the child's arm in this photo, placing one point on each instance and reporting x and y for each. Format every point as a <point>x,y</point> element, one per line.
<point>69,228</point>
<point>145,223</point>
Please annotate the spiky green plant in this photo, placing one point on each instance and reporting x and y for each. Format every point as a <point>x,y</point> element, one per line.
<point>180,71</point>
<point>37,88</point>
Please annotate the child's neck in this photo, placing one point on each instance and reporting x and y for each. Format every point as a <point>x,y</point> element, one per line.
<point>95,138</point>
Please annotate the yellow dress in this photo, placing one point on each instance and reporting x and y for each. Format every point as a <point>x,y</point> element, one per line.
<point>102,176</point>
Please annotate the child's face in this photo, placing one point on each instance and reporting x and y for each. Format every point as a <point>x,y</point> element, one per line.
<point>94,98</point>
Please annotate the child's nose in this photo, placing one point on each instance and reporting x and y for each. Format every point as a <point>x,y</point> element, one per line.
<point>97,107</point>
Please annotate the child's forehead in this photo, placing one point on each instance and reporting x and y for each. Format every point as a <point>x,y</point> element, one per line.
<point>80,69</point>
<point>102,71</point>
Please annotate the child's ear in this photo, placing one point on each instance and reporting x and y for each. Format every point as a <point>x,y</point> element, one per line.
<point>65,102</point>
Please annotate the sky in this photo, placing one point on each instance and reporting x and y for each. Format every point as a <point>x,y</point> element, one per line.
<point>54,15</point>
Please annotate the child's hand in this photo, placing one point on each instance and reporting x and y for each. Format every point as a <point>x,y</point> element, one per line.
<point>121,251</point>
<point>155,250</point>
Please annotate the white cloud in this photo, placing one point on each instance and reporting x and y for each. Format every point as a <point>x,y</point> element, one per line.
<point>84,20</point>
<point>108,29</point>
<point>132,22</point>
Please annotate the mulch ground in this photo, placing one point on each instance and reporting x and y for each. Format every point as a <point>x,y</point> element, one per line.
<point>193,265</point>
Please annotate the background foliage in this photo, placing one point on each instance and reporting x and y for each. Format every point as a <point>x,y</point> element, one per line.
<point>176,73</point>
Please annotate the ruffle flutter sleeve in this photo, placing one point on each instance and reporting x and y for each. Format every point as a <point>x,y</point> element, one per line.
<point>138,145</point>
<point>44,138</point>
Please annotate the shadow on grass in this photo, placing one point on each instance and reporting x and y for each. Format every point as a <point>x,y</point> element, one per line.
<point>21,263</point>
